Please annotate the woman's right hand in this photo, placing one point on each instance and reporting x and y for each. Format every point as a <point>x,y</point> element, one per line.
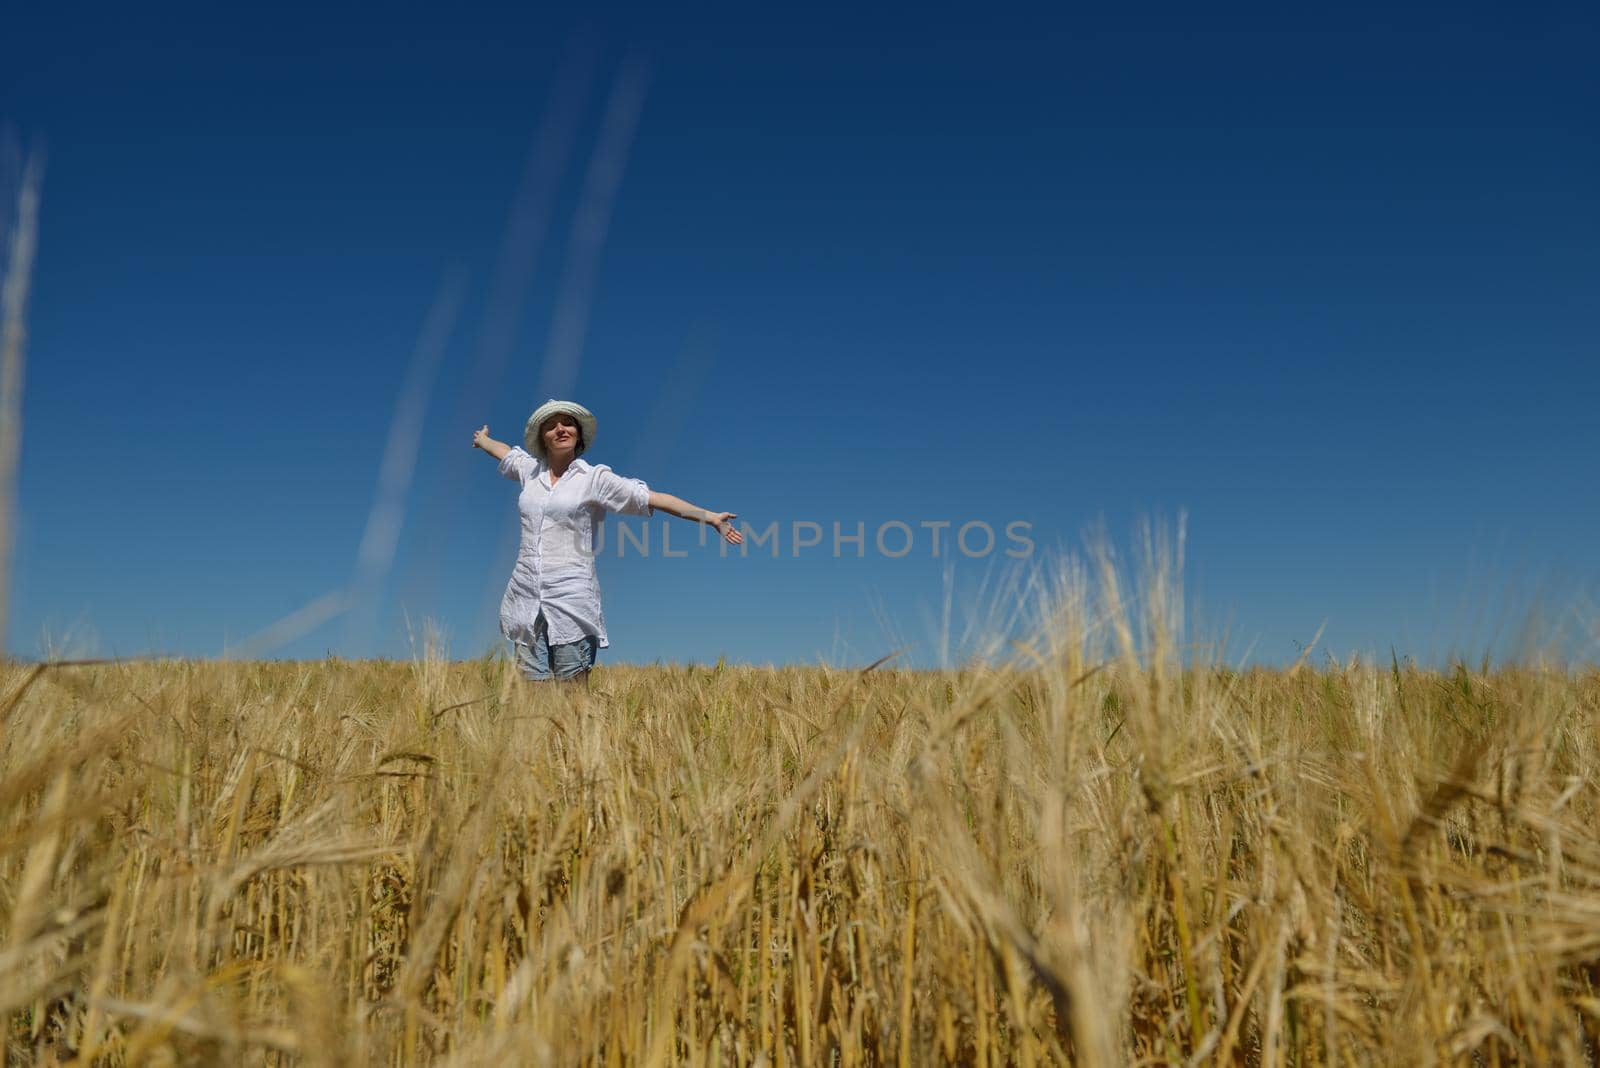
<point>480,436</point>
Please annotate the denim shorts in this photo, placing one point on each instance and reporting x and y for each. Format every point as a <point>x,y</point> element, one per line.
<point>542,661</point>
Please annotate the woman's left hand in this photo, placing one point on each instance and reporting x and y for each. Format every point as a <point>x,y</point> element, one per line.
<point>723,521</point>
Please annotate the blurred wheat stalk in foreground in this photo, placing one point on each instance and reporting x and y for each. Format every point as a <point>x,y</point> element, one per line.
<point>1099,857</point>
<point>18,243</point>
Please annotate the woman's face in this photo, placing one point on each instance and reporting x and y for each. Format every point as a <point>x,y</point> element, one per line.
<point>561,434</point>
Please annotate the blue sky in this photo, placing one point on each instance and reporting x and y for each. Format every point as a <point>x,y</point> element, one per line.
<point>1322,282</point>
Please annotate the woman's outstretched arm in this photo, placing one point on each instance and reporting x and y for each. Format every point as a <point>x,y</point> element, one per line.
<point>482,440</point>
<point>677,506</point>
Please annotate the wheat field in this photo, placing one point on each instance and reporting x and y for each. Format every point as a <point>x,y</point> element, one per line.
<point>1104,852</point>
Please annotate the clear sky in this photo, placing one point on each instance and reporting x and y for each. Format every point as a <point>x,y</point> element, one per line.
<point>1322,279</point>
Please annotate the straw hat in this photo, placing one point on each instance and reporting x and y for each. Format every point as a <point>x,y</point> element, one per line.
<point>585,418</point>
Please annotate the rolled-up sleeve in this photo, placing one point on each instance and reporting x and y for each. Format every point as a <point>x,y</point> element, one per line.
<point>611,491</point>
<point>518,465</point>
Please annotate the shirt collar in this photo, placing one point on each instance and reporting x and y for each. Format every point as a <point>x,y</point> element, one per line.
<point>578,466</point>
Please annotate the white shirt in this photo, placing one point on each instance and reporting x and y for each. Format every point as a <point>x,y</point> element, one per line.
<point>560,532</point>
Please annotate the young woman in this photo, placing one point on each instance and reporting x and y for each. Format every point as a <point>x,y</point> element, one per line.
<point>551,610</point>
